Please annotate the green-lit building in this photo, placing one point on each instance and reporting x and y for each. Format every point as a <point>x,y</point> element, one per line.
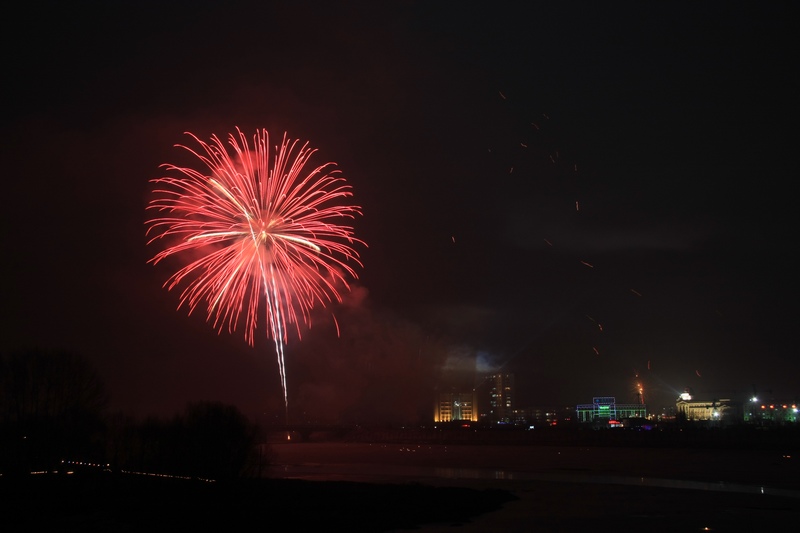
<point>771,413</point>
<point>606,410</point>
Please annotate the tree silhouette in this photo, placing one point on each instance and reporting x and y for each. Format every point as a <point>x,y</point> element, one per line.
<point>218,442</point>
<point>51,408</point>
<point>208,440</point>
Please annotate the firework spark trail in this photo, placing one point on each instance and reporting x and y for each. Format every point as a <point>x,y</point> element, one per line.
<point>256,228</point>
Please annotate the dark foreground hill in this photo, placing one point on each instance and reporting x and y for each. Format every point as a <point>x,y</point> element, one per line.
<point>129,502</point>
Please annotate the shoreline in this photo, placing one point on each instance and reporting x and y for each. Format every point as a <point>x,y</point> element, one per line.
<point>382,487</point>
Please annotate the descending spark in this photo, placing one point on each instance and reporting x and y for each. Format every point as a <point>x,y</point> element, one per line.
<point>587,264</point>
<point>637,293</point>
<point>599,325</point>
<point>255,223</point>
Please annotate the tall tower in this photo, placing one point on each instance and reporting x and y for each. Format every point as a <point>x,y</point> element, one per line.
<point>499,394</point>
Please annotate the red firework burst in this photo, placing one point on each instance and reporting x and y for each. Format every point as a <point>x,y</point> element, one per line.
<point>257,226</point>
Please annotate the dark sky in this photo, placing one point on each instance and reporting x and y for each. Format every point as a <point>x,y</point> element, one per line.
<point>585,195</point>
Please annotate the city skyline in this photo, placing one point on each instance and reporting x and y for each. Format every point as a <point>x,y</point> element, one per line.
<point>483,407</point>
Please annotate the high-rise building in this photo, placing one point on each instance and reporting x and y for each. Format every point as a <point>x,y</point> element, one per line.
<point>497,398</point>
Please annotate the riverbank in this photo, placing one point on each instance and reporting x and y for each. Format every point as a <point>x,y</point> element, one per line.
<point>383,487</point>
<point>137,503</point>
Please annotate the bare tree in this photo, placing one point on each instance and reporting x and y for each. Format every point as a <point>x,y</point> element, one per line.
<point>51,406</point>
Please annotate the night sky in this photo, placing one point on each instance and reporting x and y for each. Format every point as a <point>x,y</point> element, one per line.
<point>585,195</point>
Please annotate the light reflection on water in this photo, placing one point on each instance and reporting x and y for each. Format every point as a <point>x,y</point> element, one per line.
<point>389,473</point>
<point>467,473</point>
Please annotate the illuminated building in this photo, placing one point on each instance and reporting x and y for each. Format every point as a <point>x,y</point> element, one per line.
<point>606,410</point>
<point>531,416</point>
<point>722,410</point>
<point>454,406</point>
<point>770,413</point>
<point>497,393</point>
